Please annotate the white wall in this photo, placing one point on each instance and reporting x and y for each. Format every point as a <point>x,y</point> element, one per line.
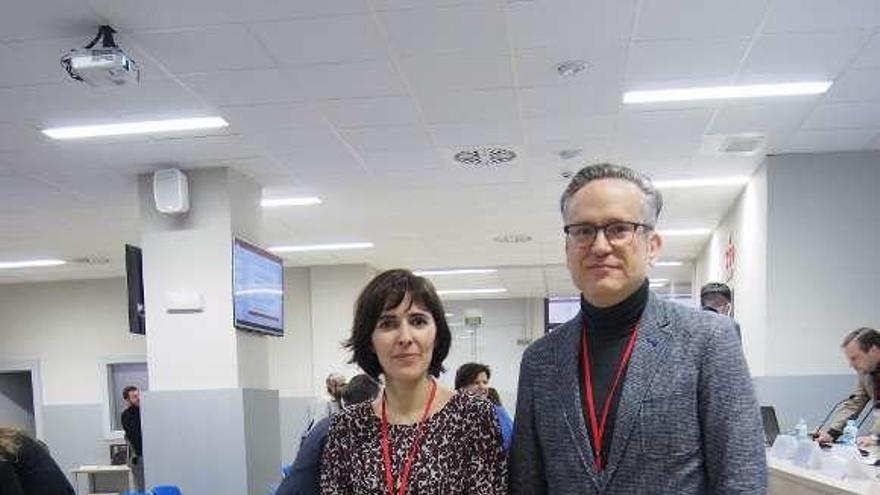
<point>823,268</point>
<point>746,224</point>
<point>69,327</point>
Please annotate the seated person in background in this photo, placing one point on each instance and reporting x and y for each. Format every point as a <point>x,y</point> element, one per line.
<point>474,377</point>
<point>862,349</point>
<point>26,465</point>
<point>305,477</point>
<point>503,418</point>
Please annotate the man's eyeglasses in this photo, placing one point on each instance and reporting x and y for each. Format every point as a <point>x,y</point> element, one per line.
<point>617,234</point>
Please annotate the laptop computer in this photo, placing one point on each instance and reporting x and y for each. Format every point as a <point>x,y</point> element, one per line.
<point>771,424</point>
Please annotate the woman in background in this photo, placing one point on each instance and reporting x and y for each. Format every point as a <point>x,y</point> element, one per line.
<point>418,437</point>
<point>26,466</point>
<point>474,377</point>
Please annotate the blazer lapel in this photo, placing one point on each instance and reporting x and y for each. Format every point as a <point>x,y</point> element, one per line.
<point>647,357</point>
<point>569,393</point>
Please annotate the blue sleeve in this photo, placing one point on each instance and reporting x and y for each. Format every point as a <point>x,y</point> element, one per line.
<point>506,426</point>
<point>305,476</point>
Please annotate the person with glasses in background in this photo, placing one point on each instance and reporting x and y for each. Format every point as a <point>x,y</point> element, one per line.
<point>634,394</point>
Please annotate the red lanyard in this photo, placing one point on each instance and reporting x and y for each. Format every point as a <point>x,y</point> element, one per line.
<point>598,427</point>
<point>413,450</point>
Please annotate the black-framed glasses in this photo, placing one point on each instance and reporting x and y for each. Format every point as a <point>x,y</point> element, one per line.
<point>616,233</point>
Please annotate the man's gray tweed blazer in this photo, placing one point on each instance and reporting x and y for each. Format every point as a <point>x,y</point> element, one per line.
<point>687,422</point>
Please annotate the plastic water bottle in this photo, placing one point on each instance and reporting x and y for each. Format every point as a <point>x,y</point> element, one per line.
<point>849,433</point>
<point>800,431</point>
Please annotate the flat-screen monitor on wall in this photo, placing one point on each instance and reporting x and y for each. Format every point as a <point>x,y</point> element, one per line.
<point>559,310</point>
<point>134,281</point>
<point>257,289</point>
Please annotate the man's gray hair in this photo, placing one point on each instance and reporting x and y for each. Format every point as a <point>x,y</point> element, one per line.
<point>653,200</point>
<point>866,338</point>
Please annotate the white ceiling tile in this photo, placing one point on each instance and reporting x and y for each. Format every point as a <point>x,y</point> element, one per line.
<point>170,13</point>
<point>834,140</point>
<point>679,19</point>
<point>272,116</point>
<point>47,19</point>
<point>353,112</point>
<point>583,100</point>
<point>444,73</point>
<point>815,15</point>
<point>489,133</point>
<point>151,99</point>
<point>543,23</point>
<point>263,86</point>
<point>331,161</point>
<point>354,80</point>
<point>664,124</point>
<point>33,62</point>
<point>469,106</point>
<point>791,57</point>
<point>387,138</point>
<point>54,105</point>
<point>402,160</point>
<point>322,40</point>
<point>757,117</point>
<point>470,28</point>
<point>293,140</point>
<point>204,49</point>
<point>870,56</point>
<point>665,60</point>
<point>569,129</point>
<point>856,85</point>
<point>844,115</point>
<point>17,137</point>
<point>537,66</point>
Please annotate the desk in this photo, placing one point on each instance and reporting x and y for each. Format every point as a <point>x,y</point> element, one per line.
<point>787,479</point>
<point>119,475</point>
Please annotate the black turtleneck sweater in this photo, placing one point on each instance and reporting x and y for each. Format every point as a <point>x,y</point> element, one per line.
<point>608,331</point>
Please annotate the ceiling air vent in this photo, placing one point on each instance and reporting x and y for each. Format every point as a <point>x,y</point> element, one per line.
<point>485,157</point>
<point>742,144</point>
<point>512,238</point>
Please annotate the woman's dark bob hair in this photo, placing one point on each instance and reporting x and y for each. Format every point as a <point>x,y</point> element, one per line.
<point>386,291</point>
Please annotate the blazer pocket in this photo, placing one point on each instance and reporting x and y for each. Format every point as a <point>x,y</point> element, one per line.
<point>670,425</point>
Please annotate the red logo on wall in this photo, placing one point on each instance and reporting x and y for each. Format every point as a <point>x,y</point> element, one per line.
<point>729,259</point>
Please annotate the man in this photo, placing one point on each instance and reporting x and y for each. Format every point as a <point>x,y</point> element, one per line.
<point>634,394</point>
<point>305,477</point>
<point>131,423</point>
<point>717,297</point>
<point>862,349</point>
<point>335,383</point>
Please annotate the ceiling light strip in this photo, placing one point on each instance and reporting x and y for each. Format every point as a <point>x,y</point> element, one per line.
<point>706,182</point>
<point>9,265</point>
<point>454,271</point>
<point>147,127</point>
<point>470,291</point>
<point>276,202</point>
<point>322,247</point>
<point>727,92</point>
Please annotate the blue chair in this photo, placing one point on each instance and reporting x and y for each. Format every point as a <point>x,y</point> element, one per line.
<point>166,490</point>
<point>133,492</point>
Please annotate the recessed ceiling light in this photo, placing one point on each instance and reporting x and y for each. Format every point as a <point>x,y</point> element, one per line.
<point>727,92</point>
<point>669,263</point>
<point>275,202</point>
<point>321,247</point>
<point>147,127</point>
<point>708,182</point>
<point>454,271</point>
<point>485,156</point>
<point>9,265</point>
<point>449,315</point>
<point>684,232</point>
<point>470,291</point>
<point>571,68</point>
<point>512,238</point>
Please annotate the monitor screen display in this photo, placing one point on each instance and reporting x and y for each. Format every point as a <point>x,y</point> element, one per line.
<point>134,282</point>
<point>561,309</point>
<point>257,288</point>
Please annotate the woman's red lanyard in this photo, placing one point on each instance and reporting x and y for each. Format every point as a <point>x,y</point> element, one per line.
<point>413,450</point>
<point>596,426</point>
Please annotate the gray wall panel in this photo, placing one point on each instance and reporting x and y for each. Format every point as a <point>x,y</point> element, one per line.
<point>809,397</point>
<point>17,400</point>
<point>262,443</point>
<point>75,435</point>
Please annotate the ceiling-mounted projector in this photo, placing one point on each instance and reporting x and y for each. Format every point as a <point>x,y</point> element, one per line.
<point>102,65</point>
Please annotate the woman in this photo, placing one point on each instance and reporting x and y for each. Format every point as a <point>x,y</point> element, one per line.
<point>474,377</point>
<point>26,466</point>
<point>417,437</point>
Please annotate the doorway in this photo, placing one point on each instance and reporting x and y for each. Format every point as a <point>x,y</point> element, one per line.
<point>17,401</point>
